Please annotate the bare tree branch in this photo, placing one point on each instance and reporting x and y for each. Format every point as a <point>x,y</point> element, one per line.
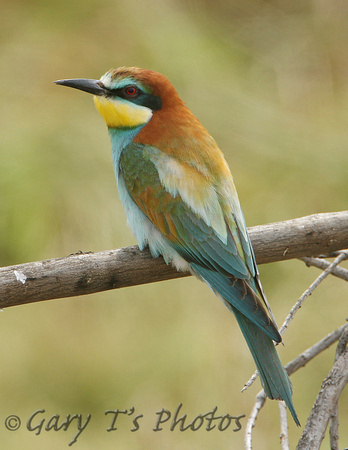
<point>341,257</point>
<point>341,346</point>
<point>260,401</point>
<point>302,359</point>
<point>86,273</point>
<point>250,381</point>
<point>284,435</point>
<point>339,272</point>
<point>318,234</point>
<point>334,429</point>
<point>324,405</point>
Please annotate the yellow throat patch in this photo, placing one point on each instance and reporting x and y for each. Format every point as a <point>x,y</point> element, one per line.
<point>121,113</point>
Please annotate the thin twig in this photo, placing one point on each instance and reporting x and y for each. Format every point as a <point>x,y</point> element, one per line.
<point>260,401</point>
<point>302,359</point>
<point>339,272</point>
<point>250,381</point>
<point>342,256</point>
<point>284,435</point>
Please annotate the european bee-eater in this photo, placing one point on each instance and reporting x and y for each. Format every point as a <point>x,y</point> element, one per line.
<point>180,201</point>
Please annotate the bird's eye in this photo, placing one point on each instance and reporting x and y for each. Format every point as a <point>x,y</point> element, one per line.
<point>131,91</point>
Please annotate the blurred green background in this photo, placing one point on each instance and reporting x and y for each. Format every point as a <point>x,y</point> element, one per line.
<point>270,82</point>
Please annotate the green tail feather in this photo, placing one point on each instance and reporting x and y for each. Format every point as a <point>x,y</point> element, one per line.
<point>273,376</point>
<point>259,332</point>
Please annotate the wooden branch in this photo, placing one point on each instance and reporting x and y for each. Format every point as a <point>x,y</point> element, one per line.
<point>325,403</point>
<point>86,273</point>
<point>341,257</point>
<point>322,264</point>
<point>311,352</point>
<point>260,401</point>
<point>284,428</point>
<point>334,419</point>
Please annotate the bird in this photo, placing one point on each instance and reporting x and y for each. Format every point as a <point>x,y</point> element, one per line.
<point>181,202</point>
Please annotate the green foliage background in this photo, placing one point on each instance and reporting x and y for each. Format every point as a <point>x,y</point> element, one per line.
<point>269,81</point>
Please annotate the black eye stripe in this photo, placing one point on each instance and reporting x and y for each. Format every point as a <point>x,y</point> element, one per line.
<point>122,92</point>
<point>139,97</point>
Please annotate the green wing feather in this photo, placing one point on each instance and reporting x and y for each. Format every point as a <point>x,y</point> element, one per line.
<point>228,267</point>
<point>193,239</point>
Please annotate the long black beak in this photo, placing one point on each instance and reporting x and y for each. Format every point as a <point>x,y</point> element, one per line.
<point>92,86</point>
